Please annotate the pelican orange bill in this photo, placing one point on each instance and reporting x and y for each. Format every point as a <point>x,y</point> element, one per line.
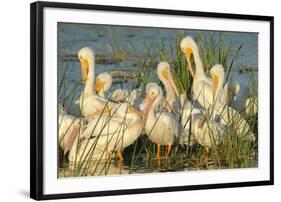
<point>215,79</point>
<point>168,75</point>
<point>84,69</point>
<point>188,52</point>
<point>98,85</point>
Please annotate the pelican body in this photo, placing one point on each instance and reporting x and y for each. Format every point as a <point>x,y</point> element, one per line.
<point>108,133</point>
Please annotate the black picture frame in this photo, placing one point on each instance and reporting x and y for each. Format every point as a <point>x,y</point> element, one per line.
<point>37,102</point>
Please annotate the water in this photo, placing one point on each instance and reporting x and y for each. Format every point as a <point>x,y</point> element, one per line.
<point>115,167</point>
<point>134,41</point>
<point>101,38</point>
<point>72,37</point>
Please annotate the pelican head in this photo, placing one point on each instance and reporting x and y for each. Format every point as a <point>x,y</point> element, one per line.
<point>188,46</point>
<point>86,58</point>
<point>154,94</point>
<point>149,85</point>
<point>154,91</point>
<point>165,75</point>
<point>217,74</point>
<point>103,82</point>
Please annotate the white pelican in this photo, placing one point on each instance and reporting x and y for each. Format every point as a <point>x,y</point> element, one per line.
<point>228,115</point>
<point>165,76</point>
<point>89,101</point>
<point>105,134</point>
<point>161,127</point>
<point>202,85</point>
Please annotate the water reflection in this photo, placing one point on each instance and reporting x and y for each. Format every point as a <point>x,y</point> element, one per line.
<point>115,167</point>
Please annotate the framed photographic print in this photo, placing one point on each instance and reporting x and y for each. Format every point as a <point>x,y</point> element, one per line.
<point>135,100</point>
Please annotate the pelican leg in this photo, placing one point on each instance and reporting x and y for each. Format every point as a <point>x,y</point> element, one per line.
<point>119,155</point>
<point>169,147</point>
<point>158,155</point>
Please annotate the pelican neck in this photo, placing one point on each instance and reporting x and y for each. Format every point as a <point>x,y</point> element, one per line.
<point>152,110</point>
<point>170,95</point>
<point>199,65</point>
<point>90,77</point>
<point>220,85</point>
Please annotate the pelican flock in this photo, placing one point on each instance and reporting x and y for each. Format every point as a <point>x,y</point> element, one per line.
<point>111,120</point>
